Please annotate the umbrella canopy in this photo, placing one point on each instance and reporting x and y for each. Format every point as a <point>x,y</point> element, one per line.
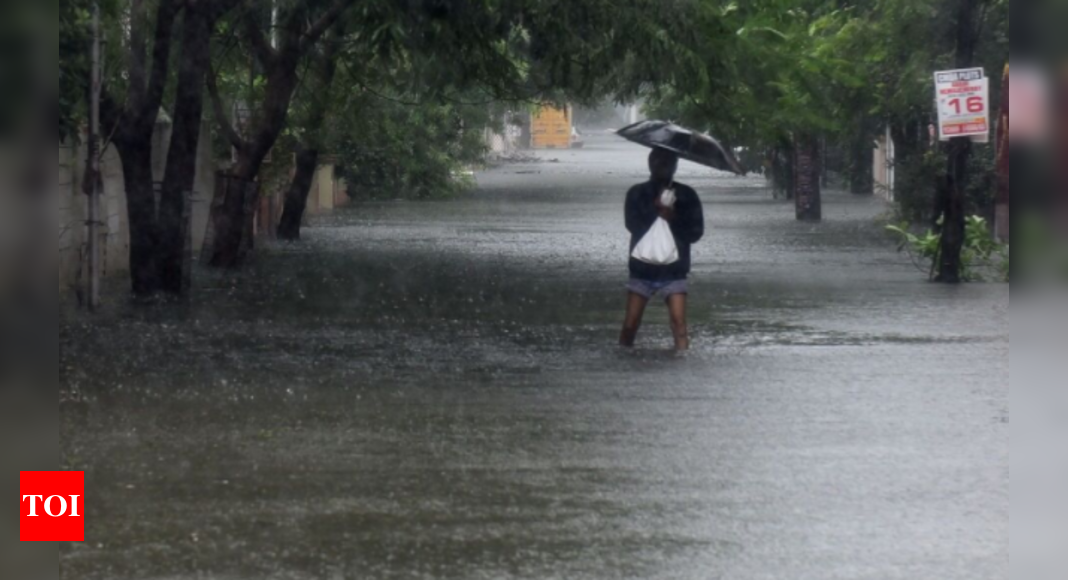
<point>687,144</point>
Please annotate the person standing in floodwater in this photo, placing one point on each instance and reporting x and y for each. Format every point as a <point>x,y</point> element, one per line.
<point>687,222</point>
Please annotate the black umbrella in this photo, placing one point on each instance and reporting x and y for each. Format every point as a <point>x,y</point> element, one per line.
<point>687,144</point>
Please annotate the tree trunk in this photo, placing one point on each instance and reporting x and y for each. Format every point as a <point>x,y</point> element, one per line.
<point>906,144</point>
<point>230,247</point>
<point>782,172</point>
<point>132,126</point>
<point>307,158</point>
<point>952,195</point>
<point>861,163</point>
<point>807,179</point>
<point>180,173</point>
<point>959,150</point>
<point>141,213</point>
<point>232,197</point>
<point>297,194</point>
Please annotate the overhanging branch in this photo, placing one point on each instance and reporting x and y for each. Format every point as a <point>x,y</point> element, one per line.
<point>323,24</point>
<point>262,48</point>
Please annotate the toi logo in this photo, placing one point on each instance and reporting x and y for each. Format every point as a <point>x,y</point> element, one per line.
<point>52,507</point>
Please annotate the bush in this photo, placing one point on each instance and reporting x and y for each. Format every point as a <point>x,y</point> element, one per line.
<point>400,151</point>
<point>916,186</point>
<point>981,256</point>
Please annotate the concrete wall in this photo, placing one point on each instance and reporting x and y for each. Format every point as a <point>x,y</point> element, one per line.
<point>1002,222</point>
<point>114,234</point>
<point>328,190</point>
<point>501,145</point>
<point>883,167</point>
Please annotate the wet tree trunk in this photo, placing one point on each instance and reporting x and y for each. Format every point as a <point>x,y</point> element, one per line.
<point>141,212</point>
<point>906,145</point>
<point>234,199</point>
<point>782,171</point>
<point>307,158</point>
<point>953,187</point>
<point>180,173</point>
<point>807,193</point>
<point>861,163</point>
<point>952,195</point>
<point>281,65</point>
<point>232,242</point>
<point>132,125</point>
<point>297,195</point>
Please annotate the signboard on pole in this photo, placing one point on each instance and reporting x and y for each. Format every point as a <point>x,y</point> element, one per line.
<point>963,103</point>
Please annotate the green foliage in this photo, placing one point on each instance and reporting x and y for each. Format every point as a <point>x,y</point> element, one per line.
<point>74,40</point>
<point>982,253</point>
<point>924,247</point>
<point>391,150</point>
<point>782,70</point>
<point>917,184</point>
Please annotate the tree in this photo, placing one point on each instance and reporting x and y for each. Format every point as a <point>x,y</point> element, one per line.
<point>303,25</point>
<point>782,83</point>
<point>310,140</point>
<point>74,39</point>
<point>958,152</point>
<point>132,98</point>
<point>131,124</point>
<point>416,123</point>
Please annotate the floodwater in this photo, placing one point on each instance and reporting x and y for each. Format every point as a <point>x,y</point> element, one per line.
<point>431,390</point>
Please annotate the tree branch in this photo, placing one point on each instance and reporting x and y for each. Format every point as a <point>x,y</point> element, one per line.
<point>218,8</point>
<point>223,121</point>
<point>137,55</point>
<point>110,114</point>
<point>161,58</point>
<point>265,53</point>
<point>322,25</point>
<point>321,102</point>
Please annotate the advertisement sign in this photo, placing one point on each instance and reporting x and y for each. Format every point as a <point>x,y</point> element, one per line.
<point>963,103</point>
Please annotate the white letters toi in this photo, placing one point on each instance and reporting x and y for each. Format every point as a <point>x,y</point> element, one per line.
<point>50,504</point>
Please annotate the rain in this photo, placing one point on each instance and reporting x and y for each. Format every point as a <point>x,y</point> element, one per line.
<point>432,390</point>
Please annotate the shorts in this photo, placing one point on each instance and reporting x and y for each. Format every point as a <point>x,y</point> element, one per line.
<point>649,288</point>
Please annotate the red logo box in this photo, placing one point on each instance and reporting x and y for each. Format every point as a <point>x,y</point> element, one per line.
<point>52,506</point>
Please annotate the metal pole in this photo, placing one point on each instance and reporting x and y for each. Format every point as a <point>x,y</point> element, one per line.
<point>94,164</point>
<point>891,164</point>
<point>274,24</point>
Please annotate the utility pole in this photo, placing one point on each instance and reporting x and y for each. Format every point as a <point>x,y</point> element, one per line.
<point>959,151</point>
<point>274,24</point>
<point>93,189</point>
<point>1002,202</point>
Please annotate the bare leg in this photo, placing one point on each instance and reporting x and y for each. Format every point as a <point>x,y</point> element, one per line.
<point>677,310</point>
<point>635,310</point>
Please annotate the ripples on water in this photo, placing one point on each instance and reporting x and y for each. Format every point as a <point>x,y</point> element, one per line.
<point>431,390</point>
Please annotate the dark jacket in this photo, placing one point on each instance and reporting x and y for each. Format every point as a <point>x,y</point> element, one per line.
<point>688,227</point>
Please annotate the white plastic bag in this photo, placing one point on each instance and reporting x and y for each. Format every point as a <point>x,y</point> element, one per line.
<point>657,246</point>
<point>667,199</point>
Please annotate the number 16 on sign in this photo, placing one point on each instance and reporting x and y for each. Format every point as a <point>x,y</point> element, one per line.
<point>963,103</point>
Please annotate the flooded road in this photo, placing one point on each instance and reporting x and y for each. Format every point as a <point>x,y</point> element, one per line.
<point>431,390</point>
